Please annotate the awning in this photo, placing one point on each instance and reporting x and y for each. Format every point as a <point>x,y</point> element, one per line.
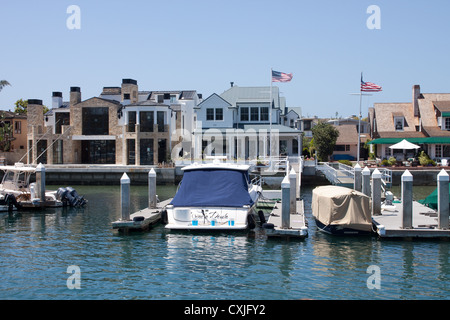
<point>428,140</point>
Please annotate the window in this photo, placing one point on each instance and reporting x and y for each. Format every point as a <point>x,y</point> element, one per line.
<point>209,114</point>
<point>398,123</point>
<point>61,119</point>
<point>244,114</point>
<point>131,121</point>
<point>146,121</point>
<point>438,151</point>
<point>264,114</point>
<point>447,123</point>
<point>95,121</point>
<point>254,113</point>
<point>18,127</point>
<point>219,114</point>
<point>160,120</point>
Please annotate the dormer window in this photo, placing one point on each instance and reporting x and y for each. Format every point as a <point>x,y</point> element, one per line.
<point>399,123</point>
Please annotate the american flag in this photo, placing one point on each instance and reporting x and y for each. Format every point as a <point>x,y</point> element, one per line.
<point>281,77</point>
<point>370,87</point>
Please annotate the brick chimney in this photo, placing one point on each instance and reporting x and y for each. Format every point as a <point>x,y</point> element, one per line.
<point>75,95</point>
<point>57,99</point>
<point>129,90</point>
<point>35,114</point>
<point>416,95</point>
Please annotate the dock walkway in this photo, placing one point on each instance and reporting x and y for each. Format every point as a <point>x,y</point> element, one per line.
<point>298,227</point>
<point>142,219</point>
<point>425,223</point>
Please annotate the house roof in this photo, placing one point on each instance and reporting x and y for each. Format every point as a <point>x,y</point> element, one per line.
<point>238,94</point>
<point>210,97</point>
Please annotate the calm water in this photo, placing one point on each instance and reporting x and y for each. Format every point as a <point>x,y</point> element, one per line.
<point>36,250</point>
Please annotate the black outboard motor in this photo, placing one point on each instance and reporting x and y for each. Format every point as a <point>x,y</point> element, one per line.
<point>69,196</point>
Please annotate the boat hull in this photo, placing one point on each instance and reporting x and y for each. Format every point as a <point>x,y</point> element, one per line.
<point>339,230</point>
<point>210,219</point>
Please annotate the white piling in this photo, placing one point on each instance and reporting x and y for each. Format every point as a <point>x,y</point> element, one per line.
<point>285,203</point>
<point>293,191</point>
<point>125,197</point>
<point>407,200</point>
<point>376,192</point>
<point>152,202</point>
<point>443,199</point>
<point>366,181</point>
<point>358,178</point>
<point>40,182</point>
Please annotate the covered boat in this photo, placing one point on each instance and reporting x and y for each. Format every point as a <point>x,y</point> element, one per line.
<point>214,196</point>
<point>341,211</point>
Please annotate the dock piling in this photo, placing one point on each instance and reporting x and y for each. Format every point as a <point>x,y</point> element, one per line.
<point>358,178</point>
<point>40,182</point>
<point>366,181</point>
<point>152,201</point>
<point>125,196</point>
<point>376,192</point>
<point>285,203</point>
<point>443,199</point>
<point>293,192</point>
<point>407,200</point>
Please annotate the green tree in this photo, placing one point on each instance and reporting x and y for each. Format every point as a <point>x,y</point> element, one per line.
<point>5,134</point>
<point>325,136</point>
<point>4,83</point>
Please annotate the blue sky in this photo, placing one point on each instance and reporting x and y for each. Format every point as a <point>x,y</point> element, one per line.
<point>204,45</point>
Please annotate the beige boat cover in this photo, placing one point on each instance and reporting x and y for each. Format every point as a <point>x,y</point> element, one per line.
<point>333,205</point>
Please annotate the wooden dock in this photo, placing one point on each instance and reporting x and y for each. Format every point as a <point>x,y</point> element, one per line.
<point>297,228</point>
<point>425,223</point>
<point>142,219</point>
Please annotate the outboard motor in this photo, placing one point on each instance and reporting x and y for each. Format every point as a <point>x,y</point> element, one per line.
<point>69,196</point>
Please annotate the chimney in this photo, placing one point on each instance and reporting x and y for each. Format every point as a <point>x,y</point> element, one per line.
<point>416,95</point>
<point>57,100</point>
<point>129,90</point>
<point>75,95</point>
<point>232,84</point>
<point>35,113</point>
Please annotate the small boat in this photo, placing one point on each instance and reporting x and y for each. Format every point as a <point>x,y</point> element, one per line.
<point>214,196</point>
<point>341,211</point>
<point>17,189</point>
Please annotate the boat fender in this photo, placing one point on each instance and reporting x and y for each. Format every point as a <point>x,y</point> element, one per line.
<point>138,218</point>
<point>261,216</point>
<point>251,221</point>
<point>164,218</point>
<point>268,226</point>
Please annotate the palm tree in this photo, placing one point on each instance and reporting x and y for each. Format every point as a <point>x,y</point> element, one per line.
<point>4,83</point>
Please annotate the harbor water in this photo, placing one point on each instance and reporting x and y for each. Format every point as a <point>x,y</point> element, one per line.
<point>70,253</point>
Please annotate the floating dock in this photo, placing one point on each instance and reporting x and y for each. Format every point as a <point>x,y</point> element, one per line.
<point>287,219</point>
<point>142,219</point>
<point>297,224</point>
<point>425,223</point>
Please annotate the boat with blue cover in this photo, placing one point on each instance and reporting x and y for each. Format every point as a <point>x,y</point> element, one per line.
<point>214,196</point>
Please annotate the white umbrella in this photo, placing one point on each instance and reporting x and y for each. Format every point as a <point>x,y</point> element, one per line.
<point>405,145</point>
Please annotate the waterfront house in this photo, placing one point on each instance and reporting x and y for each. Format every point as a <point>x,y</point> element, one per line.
<point>237,124</point>
<point>424,121</point>
<point>346,147</point>
<point>121,126</point>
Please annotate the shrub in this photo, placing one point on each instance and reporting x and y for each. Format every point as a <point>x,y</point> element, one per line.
<point>392,161</point>
<point>346,162</point>
<point>384,162</point>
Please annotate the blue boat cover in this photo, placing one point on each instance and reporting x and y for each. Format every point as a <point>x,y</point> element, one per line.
<point>213,188</point>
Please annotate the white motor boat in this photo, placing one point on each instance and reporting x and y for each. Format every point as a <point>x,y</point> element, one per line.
<point>16,187</point>
<point>214,196</point>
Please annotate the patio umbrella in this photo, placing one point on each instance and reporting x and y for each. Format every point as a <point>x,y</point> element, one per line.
<point>405,145</point>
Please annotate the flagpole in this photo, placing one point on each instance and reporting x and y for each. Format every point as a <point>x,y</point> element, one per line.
<point>270,120</point>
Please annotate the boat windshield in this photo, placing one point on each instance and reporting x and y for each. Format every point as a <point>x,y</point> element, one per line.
<point>213,188</point>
